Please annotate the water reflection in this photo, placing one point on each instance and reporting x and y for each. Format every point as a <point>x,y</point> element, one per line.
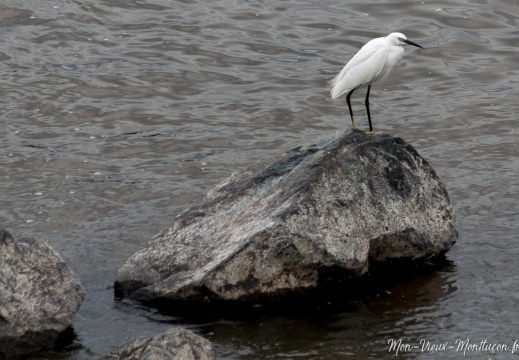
<point>404,307</point>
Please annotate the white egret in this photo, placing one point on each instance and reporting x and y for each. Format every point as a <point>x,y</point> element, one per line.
<point>373,62</point>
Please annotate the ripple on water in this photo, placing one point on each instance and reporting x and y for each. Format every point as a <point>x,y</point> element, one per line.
<point>118,115</point>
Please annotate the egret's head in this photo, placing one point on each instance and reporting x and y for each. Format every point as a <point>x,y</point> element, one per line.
<point>399,39</point>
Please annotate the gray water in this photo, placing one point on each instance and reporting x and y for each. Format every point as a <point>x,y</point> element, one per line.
<point>117,115</point>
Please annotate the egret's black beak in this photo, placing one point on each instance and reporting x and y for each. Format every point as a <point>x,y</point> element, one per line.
<point>412,43</point>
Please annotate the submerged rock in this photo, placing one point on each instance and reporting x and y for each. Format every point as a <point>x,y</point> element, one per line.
<point>39,297</point>
<point>175,344</point>
<point>276,226</point>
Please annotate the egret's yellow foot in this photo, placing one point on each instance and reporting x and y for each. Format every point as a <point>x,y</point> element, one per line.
<point>353,125</point>
<point>373,133</point>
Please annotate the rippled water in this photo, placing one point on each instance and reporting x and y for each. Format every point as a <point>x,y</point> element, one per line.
<point>115,116</point>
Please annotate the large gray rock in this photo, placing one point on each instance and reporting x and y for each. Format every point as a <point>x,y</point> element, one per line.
<point>39,296</point>
<point>175,344</point>
<point>275,226</point>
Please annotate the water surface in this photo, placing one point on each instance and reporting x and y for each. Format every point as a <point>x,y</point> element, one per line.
<point>115,116</point>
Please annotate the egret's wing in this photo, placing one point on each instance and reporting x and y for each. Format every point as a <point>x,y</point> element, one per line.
<point>363,69</point>
<point>358,58</point>
<point>362,55</point>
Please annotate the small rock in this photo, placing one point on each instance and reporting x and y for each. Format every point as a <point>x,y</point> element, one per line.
<point>39,297</point>
<point>276,226</point>
<point>175,344</point>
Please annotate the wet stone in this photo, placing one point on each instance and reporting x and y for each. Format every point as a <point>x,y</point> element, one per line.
<point>277,226</point>
<point>39,297</point>
<point>174,344</point>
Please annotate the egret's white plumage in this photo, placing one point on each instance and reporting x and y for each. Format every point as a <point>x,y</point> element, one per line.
<point>373,62</point>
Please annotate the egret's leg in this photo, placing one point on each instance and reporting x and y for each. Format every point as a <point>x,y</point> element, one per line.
<point>367,108</point>
<point>349,107</point>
